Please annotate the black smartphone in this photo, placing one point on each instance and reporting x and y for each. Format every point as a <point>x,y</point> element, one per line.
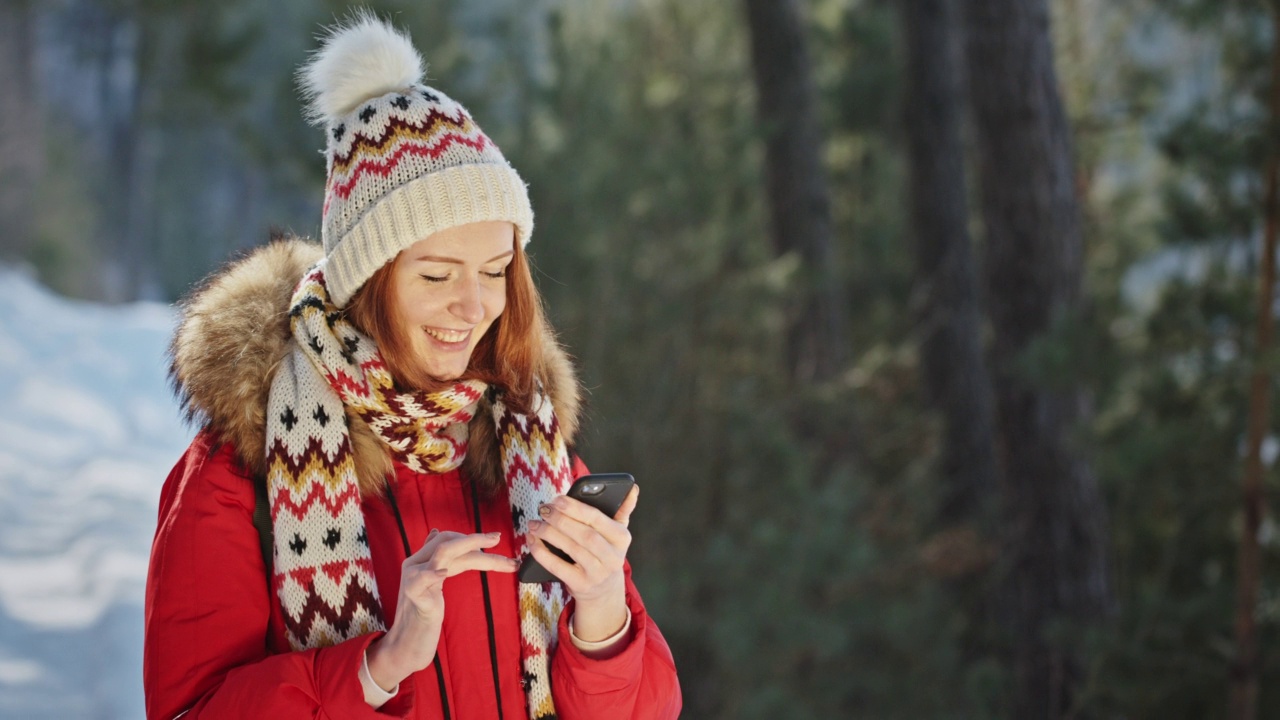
<point>604,492</point>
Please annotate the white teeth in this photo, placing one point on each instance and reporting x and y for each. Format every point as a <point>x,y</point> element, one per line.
<point>449,336</point>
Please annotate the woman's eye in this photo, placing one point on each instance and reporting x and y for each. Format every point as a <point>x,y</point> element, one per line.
<point>434,279</point>
<point>495,275</point>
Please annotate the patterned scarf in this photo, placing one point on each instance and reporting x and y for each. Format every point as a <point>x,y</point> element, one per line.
<point>323,570</point>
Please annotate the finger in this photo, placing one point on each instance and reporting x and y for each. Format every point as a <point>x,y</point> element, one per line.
<point>623,516</point>
<point>434,539</point>
<point>575,509</point>
<point>479,561</point>
<point>586,557</point>
<point>566,523</point>
<point>613,531</point>
<point>570,574</point>
<point>585,535</point>
<point>456,547</point>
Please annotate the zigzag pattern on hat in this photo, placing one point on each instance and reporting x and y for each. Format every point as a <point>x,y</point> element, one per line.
<point>435,123</point>
<point>392,140</point>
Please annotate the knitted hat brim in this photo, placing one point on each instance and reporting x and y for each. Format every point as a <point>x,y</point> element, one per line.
<point>427,204</point>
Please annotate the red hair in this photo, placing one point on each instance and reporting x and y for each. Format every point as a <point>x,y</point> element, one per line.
<point>509,356</point>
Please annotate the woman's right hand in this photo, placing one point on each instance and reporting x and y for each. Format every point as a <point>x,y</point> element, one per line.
<point>410,643</point>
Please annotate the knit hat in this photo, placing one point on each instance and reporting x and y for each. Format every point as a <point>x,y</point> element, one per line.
<point>404,160</point>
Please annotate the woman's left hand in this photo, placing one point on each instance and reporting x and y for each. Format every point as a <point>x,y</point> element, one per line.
<point>598,544</point>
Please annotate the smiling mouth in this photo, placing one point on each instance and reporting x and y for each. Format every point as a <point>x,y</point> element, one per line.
<point>450,337</point>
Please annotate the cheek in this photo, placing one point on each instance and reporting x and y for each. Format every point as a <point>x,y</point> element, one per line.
<point>496,304</point>
<point>418,307</point>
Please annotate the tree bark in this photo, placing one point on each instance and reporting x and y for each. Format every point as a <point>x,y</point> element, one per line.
<point>1054,549</point>
<point>1244,670</point>
<point>796,185</point>
<point>110,41</point>
<point>21,142</point>
<point>950,319</point>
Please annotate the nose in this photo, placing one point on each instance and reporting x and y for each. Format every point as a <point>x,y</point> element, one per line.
<point>467,306</point>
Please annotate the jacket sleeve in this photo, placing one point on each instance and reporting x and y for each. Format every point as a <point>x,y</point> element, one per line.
<point>208,613</point>
<point>638,683</point>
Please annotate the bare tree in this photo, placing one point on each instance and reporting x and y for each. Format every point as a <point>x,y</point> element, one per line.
<point>954,369</point>
<point>21,143</point>
<point>796,184</point>
<point>1245,669</point>
<point>946,299</point>
<point>1054,549</point>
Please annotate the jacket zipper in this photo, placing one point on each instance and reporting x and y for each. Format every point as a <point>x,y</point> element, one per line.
<point>488,609</point>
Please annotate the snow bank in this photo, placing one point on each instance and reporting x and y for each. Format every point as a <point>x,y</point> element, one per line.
<point>88,431</point>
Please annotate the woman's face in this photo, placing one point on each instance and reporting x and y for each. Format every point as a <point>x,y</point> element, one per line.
<point>450,287</point>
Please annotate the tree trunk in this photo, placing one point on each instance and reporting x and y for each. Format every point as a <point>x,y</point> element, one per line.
<point>21,143</point>
<point>112,40</point>
<point>954,369</point>
<point>1054,549</point>
<point>949,317</point>
<point>1244,671</point>
<point>796,184</point>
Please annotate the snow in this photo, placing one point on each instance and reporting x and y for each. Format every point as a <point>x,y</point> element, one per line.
<point>88,432</point>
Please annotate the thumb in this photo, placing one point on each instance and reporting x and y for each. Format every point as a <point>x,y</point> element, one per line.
<point>628,506</point>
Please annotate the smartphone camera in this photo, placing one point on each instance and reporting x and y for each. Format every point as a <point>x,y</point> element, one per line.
<point>592,488</point>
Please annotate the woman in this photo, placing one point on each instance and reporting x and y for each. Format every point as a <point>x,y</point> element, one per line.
<point>406,413</point>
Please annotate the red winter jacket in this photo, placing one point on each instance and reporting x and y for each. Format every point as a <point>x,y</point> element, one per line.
<point>215,644</point>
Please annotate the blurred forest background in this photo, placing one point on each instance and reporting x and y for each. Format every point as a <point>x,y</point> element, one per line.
<point>930,327</point>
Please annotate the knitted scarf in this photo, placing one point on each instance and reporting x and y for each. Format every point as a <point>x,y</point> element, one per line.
<point>323,569</point>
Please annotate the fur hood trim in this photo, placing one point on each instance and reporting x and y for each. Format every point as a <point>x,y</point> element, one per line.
<point>233,332</point>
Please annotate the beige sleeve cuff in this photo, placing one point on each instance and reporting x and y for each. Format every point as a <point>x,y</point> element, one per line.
<point>374,695</point>
<point>592,649</point>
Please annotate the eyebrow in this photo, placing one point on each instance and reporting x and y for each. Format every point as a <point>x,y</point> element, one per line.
<point>456,261</point>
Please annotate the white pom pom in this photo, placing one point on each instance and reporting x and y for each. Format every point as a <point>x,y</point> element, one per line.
<point>358,60</point>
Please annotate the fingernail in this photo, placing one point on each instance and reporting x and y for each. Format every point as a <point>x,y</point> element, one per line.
<point>493,535</point>
<point>513,562</point>
<point>544,511</point>
<point>535,524</point>
<point>433,532</point>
